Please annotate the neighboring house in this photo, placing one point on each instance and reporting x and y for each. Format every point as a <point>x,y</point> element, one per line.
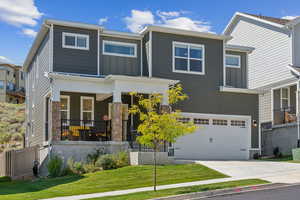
<point>273,69</point>
<point>79,76</point>
<point>12,83</point>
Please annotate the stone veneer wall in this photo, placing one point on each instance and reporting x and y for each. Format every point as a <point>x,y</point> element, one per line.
<point>55,121</point>
<point>117,128</point>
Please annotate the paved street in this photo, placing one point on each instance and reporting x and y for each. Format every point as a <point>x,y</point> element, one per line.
<point>285,193</point>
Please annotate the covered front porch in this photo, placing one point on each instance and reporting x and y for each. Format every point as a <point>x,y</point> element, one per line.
<point>285,104</point>
<point>96,108</point>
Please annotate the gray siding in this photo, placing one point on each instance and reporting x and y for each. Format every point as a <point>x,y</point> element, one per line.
<point>119,65</point>
<point>74,60</point>
<point>237,77</point>
<point>203,90</point>
<point>37,86</point>
<point>145,55</point>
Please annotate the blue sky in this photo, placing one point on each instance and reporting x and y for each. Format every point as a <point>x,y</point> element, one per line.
<point>21,19</point>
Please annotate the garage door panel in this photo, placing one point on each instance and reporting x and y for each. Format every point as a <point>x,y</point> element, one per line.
<point>222,142</point>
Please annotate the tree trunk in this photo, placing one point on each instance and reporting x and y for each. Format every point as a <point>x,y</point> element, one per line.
<point>154,177</point>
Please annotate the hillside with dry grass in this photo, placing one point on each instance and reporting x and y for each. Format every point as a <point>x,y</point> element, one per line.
<point>12,125</point>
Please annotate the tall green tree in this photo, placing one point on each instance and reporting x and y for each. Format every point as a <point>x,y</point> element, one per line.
<point>160,124</point>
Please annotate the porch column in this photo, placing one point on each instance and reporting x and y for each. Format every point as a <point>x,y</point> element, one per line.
<point>116,118</point>
<point>55,121</point>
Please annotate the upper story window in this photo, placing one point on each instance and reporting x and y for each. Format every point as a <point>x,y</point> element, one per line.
<point>1,84</point>
<point>233,61</point>
<point>188,58</point>
<point>75,41</point>
<point>119,49</point>
<point>284,98</point>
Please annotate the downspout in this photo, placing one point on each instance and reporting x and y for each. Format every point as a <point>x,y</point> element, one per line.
<point>298,117</point>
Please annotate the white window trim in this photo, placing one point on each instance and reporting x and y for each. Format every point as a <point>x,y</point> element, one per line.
<point>235,56</point>
<point>288,98</point>
<point>188,58</point>
<point>81,107</point>
<point>121,44</point>
<point>64,34</point>
<point>68,111</point>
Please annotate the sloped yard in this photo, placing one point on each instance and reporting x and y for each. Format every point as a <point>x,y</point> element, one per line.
<point>103,181</point>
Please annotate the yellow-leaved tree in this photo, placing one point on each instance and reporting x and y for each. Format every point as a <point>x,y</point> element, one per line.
<point>160,124</point>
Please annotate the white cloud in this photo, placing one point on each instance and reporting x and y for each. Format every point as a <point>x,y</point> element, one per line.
<point>3,59</point>
<point>138,20</point>
<point>289,17</point>
<point>19,12</point>
<point>29,32</point>
<point>102,20</point>
<point>174,19</point>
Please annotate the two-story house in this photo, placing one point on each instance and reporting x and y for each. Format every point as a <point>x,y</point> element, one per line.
<point>12,83</point>
<point>79,76</point>
<point>274,69</point>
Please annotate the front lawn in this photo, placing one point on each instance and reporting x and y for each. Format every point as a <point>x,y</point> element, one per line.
<point>184,190</point>
<point>103,181</point>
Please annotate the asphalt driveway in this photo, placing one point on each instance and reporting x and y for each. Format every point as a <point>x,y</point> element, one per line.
<point>275,172</point>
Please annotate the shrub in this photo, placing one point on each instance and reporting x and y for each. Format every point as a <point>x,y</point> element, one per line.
<point>5,179</point>
<point>74,167</point>
<point>107,162</point>
<point>90,168</point>
<point>54,166</point>
<point>93,157</point>
<point>122,159</point>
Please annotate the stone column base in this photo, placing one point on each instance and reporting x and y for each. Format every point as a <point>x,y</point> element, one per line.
<point>55,121</point>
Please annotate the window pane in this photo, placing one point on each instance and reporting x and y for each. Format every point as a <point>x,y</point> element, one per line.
<point>196,52</point>
<point>285,103</point>
<point>119,49</point>
<point>87,104</point>
<point>70,40</point>
<point>233,61</point>
<point>1,84</point>
<point>87,116</point>
<point>284,93</point>
<point>81,41</point>
<point>181,64</point>
<point>181,50</point>
<point>64,114</point>
<point>196,65</point>
<point>64,104</point>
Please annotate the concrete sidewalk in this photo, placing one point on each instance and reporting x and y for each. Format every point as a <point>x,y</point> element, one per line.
<point>144,189</point>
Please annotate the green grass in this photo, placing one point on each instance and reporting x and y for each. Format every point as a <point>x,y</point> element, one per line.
<point>287,158</point>
<point>184,190</point>
<point>103,181</point>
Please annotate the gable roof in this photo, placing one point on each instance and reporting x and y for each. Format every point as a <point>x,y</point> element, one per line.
<point>273,21</point>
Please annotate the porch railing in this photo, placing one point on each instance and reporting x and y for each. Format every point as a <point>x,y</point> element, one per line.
<point>135,146</point>
<point>85,130</point>
<point>285,115</point>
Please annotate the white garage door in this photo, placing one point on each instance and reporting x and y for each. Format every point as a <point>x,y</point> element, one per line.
<point>218,137</point>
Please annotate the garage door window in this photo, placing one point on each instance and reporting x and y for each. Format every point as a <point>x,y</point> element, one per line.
<point>219,122</point>
<point>184,119</point>
<point>239,123</point>
<point>201,121</point>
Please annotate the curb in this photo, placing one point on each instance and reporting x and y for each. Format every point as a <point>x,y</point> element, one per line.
<point>224,192</point>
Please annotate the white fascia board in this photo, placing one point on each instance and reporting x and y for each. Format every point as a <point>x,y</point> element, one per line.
<point>119,34</point>
<point>141,79</point>
<point>293,70</point>
<point>73,24</point>
<point>230,47</point>
<point>184,32</point>
<point>239,90</point>
<point>238,14</point>
<point>210,115</point>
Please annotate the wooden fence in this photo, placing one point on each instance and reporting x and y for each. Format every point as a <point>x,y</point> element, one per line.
<point>18,164</point>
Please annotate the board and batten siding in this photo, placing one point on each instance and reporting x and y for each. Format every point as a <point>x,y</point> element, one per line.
<point>268,62</point>
<point>237,77</point>
<point>296,56</point>
<point>37,87</point>
<point>70,60</point>
<point>120,65</point>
